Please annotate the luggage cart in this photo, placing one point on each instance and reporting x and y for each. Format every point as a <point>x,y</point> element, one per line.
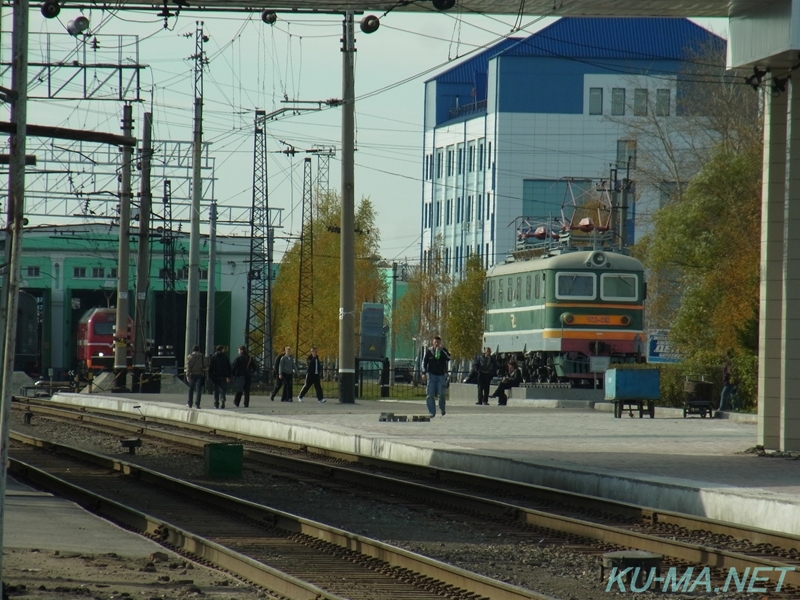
<point>698,393</point>
<point>633,389</point>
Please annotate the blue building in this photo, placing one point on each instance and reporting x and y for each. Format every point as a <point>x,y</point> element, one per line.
<point>529,122</point>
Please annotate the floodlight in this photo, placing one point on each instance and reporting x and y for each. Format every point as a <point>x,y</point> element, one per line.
<point>443,4</point>
<point>269,16</point>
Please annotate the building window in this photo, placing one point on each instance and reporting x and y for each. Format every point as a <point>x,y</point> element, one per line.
<point>98,272</point>
<point>182,273</point>
<point>618,102</point>
<point>448,218</point>
<point>204,274</point>
<point>113,273</point>
<point>488,205</point>
<point>640,102</point>
<point>480,156</point>
<point>460,161</point>
<point>471,163</point>
<point>468,212</point>
<point>439,165</point>
<point>595,101</point>
<point>79,272</point>
<point>626,151</point>
<point>662,103</point>
<point>449,163</point>
<point>32,271</point>
<point>438,213</point>
<point>459,210</point>
<point>479,207</point>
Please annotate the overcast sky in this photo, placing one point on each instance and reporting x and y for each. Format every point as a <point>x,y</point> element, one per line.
<point>253,65</point>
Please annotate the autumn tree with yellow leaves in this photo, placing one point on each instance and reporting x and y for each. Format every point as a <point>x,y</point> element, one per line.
<point>369,285</point>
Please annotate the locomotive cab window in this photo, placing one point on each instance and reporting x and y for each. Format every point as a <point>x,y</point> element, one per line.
<point>518,290</point>
<point>106,328</point>
<point>619,286</point>
<point>575,286</point>
<point>528,287</point>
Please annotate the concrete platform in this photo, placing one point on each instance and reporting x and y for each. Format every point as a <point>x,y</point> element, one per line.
<point>693,465</point>
<point>41,521</point>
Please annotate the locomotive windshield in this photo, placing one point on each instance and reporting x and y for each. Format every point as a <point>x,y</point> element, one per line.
<point>106,328</point>
<point>618,286</point>
<point>580,286</point>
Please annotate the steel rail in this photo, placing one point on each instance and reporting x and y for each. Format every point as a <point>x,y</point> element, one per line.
<point>330,472</point>
<point>693,553</point>
<point>241,565</point>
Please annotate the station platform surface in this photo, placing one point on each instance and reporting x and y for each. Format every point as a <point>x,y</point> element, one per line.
<point>700,466</point>
<point>41,521</point>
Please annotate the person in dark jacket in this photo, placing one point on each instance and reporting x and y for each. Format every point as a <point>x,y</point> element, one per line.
<point>434,368</point>
<point>513,379</point>
<point>487,367</point>
<point>276,373</point>
<point>313,376</point>
<point>288,369</point>
<point>219,371</point>
<point>243,366</point>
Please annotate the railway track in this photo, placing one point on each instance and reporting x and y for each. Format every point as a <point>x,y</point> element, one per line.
<point>603,524</point>
<point>289,556</point>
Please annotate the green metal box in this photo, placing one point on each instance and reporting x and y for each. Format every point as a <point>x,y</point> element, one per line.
<point>223,460</point>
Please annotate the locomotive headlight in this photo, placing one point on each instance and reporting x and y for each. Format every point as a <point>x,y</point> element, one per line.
<point>598,258</point>
<point>567,318</point>
<point>625,320</point>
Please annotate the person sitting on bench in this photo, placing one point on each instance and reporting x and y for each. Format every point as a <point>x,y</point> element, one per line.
<point>513,379</point>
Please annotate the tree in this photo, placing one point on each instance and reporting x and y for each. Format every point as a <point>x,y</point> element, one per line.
<point>709,240</point>
<point>421,310</point>
<point>464,319</point>
<point>369,285</point>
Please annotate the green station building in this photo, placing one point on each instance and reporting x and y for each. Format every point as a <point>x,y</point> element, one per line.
<point>69,269</point>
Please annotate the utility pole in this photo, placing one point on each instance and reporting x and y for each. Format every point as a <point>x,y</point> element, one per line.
<point>347,314</point>
<point>123,260</point>
<point>394,309</point>
<point>212,281</point>
<point>13,249</point>
<point>304,334</point>
<point>143,258</point>
<point>193,283</point>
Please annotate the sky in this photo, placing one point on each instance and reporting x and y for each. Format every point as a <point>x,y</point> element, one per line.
<point>252,65</point>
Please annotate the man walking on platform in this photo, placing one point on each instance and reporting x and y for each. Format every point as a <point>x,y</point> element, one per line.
<point>276,372</point>
<point>242,371</point>
<point>195,375</point>
<point>287,369</point>
<point>434,367</point>
<point>313,374</point>
<point>219,371</point>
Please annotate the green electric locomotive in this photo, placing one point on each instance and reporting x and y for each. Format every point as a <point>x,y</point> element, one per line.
<point>566,305</point>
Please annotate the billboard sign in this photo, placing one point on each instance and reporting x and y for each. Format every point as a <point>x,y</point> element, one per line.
<point>659,349</point>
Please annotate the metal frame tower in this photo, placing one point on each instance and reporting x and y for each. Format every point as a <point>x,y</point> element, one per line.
<point>259,281</point>
<point>305,294</point>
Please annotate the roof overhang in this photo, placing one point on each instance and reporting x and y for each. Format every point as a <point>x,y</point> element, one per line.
<point>573,8</point>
